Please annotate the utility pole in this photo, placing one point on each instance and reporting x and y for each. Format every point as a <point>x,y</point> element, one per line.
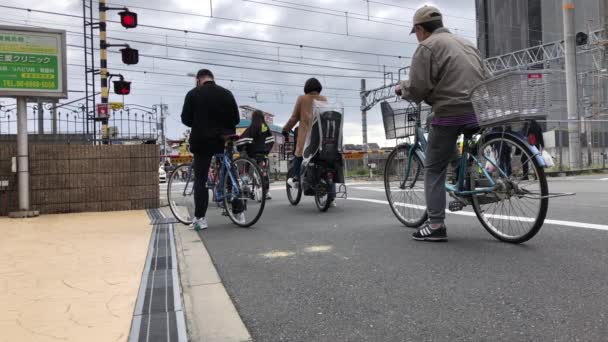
<point>574,136</point>
<point>54,118</point>
<point>364,124</point>
<point>164,112</point>
<point>103,60</point>
<point>162,118</point>
<point>40,117</point>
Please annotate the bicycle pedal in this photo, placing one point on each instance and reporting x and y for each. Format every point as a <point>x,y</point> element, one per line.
<point>455,206</point>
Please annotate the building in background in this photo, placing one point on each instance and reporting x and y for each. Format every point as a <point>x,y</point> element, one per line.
<point>246,112</point>
<point>507,26</point>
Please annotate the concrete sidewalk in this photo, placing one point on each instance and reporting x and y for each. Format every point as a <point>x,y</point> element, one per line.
<point>71,277</point>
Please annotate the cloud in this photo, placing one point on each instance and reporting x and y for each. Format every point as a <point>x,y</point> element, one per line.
<point>150,88</point>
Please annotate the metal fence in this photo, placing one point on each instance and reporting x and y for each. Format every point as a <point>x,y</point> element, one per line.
<point>593,137</point>
<point>71,123</point>
<point>592,134</point>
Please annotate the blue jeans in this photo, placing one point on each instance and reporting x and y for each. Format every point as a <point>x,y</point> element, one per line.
<point>297,167</point>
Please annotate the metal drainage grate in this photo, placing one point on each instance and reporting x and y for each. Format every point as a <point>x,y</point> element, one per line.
<point>158,312</point>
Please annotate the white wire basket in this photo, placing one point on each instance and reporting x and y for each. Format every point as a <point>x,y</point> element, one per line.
<point>516,96</point>
<point>400,118</point>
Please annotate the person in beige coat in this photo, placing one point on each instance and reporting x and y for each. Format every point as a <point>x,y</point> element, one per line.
<point>302,113</point>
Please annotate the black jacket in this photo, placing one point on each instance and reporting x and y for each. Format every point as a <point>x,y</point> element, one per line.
<point>211,111</point>
<point>259,140</point>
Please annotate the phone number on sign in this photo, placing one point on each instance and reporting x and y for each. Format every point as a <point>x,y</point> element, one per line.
<point>29,84</point>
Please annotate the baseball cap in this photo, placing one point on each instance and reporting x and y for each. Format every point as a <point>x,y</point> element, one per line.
<point>426,14</point>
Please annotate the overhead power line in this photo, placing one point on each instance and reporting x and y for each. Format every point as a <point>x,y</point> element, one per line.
<point>338,13</point>
<point>209,49</point>
<point>460,17</point>
<point>346,34</point>
<point>175,59</point>
<point>218,78</point>
<point>314,47</point>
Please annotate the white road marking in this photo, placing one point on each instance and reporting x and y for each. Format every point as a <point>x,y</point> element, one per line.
<point>500,217</point>
<point>318,249</point>
<point>604,179</point>
<point>367,188</point>
<point>278,254</point>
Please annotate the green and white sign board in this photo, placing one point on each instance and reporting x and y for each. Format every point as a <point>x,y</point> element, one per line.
<point>32,62</point>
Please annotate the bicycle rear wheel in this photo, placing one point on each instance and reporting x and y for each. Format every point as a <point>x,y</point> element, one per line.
<point>180,193</point>
<point>245,198</point>
<point>404,186</point>
<point>294,195</point>
<point>322,196</point>
<point>515,211</point>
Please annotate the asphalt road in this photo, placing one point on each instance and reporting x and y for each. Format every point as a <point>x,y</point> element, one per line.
<point>354,274</point>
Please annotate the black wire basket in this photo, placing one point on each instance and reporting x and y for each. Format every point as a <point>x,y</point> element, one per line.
<point>400,119</point>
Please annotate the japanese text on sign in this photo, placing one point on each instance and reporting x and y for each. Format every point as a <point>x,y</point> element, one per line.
<point>31,62</point>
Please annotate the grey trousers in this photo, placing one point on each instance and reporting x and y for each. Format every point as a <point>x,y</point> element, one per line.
<point>440,151</point>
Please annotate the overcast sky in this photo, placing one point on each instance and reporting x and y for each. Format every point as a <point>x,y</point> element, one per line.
<point>319,23</point>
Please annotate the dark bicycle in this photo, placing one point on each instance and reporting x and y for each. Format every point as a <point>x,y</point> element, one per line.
<point>322,169</point>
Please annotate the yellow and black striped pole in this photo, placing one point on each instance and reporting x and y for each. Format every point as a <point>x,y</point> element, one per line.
<point>104,69</point>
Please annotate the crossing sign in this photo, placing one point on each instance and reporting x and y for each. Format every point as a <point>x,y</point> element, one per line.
<point>103,110</point>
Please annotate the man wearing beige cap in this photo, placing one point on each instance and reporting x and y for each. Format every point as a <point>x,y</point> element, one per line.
<point>443,70</point>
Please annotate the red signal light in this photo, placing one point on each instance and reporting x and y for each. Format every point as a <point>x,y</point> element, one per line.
<point>128,19</point>
<point>122,87</point>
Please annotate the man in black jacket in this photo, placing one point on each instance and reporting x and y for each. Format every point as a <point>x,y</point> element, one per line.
<point>212,113</point>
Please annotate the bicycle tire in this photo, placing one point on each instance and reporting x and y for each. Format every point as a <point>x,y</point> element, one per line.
<point>293,201</point>
<point>487,223</point>
<point>418,178</point>
<point>323,206</point>
<point>262,202</point>
<point>176,209</point>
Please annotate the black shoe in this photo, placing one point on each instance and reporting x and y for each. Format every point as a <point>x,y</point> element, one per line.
<point>425,233</point>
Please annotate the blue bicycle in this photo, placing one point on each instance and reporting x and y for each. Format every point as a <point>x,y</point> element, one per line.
<point>498,173</point>
<point>237,185</point>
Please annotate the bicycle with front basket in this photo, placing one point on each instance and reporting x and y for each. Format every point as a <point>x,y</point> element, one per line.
<point>237,185</point>
<point>509,196</point>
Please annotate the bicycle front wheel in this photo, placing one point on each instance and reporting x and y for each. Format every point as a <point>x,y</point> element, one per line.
<point>180,193</point>
<point>404,186</point>
<point>515,211</point>
<point>244,192</point>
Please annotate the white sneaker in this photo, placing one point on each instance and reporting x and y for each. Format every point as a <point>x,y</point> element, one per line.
<point>240,218</point>
<point>333,204</point>
<point>258,194</point>
<point>268,197</point>
<point>199,224</point>
<point>292,183</point>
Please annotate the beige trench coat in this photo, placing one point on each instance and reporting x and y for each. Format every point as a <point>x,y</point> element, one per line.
<point>302,113</point>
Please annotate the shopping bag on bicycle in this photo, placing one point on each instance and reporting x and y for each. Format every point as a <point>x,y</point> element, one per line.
<point>548,159</point>
<point>491,162</point>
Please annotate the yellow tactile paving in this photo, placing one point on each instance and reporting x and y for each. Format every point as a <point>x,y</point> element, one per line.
<point>71,277</point>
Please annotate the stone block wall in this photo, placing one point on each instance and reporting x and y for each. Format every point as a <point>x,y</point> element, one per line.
<point>79,178</point>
